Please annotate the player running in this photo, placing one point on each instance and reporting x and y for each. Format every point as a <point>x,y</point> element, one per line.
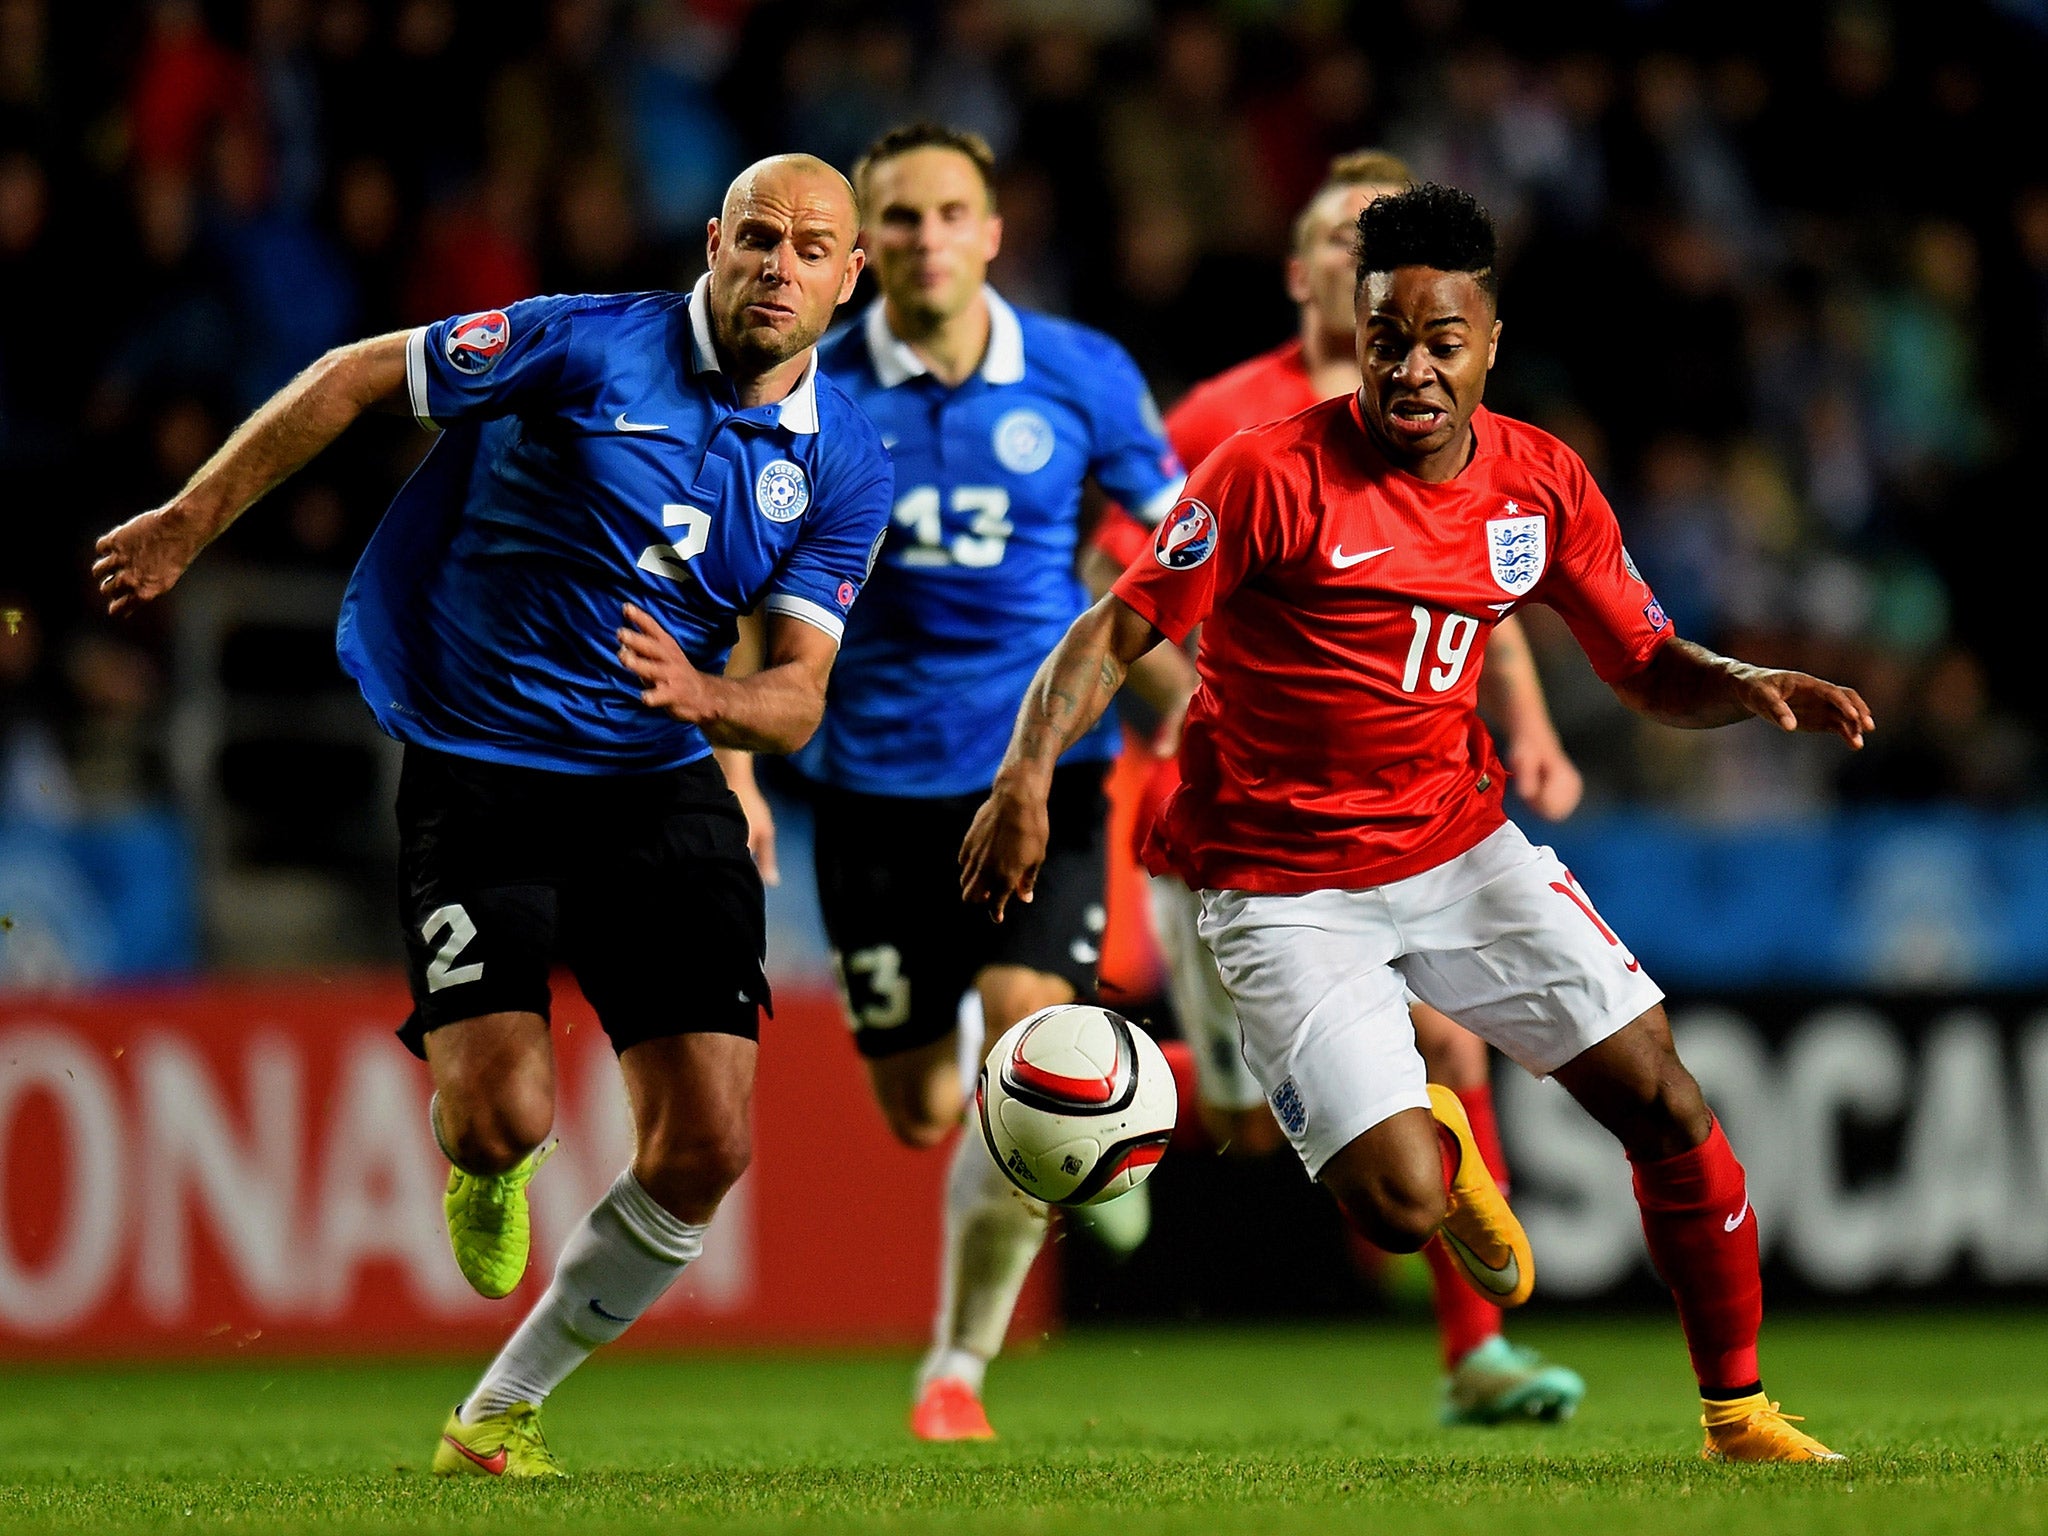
<point>541,619</point>
<point>1487,1379</point>
<point>1340,811</point>
<point>995,418</point>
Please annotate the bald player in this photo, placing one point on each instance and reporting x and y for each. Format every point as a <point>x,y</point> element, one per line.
<point>542,619</point>
<point>1487,1380</point>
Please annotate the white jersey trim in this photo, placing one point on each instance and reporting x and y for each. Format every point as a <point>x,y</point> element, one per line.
<point>895,362</point>
<point>805,611</point>
<point>1161,501</point>
<point>799,412</point>
<point>416,376</point>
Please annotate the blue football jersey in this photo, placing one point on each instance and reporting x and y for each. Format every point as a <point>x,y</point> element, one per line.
<point>593,455</point>
<point>976,581</point>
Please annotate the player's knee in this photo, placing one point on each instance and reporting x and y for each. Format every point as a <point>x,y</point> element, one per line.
<point>691,1174</point>
<point>488,1134</point>
<point>1634,1084</point>
<point>919,1126</point>
<point>1395,1206</point>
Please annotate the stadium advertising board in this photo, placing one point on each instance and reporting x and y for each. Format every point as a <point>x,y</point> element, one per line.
<point>1894,1144</point>
<point>219,1169</point>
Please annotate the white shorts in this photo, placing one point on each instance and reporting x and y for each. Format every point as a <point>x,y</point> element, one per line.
<point>1501,938</point>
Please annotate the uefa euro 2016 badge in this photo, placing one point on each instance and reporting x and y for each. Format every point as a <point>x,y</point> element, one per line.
<point>1023,442</point>
<point>781,492</point>
<point>1516,548</point>
<point>476,342</point>
<point>1186,537</point>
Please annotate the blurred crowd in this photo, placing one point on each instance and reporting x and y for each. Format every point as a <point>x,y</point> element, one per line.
<point>1779,273</point>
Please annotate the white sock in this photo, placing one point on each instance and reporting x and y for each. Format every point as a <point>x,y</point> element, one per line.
<point>993,1231</point>
<point>970,1038</point>
<point>616,1264</point>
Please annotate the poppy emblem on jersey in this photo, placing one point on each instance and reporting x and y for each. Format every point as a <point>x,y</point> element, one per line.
<point>846,594</point>
<point>476,342</point>
<point>1517,546</point>
<point>1186,538</point>
<point>781,492</point>
<point>1023,442</point>
<point>1288,1108</point>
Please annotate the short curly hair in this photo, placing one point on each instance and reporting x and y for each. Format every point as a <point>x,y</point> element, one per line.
<point>1430,225</point>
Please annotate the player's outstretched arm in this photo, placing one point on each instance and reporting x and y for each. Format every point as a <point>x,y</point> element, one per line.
<point>145,556</point>
<point>773,710</point>
<point>1511,693</point>
<point>1687,685</point>
<point>1005,846</point>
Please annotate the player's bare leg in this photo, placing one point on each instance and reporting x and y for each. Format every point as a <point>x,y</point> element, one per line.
<point>1487,1379</point>
<point>493,1104</point>
<point>1702,1234</point>
<point>692,1098</point>
<point>993,1232</point>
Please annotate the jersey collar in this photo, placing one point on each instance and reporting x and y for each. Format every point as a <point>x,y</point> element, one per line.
<point>799,409</point>
<point>896,363</point>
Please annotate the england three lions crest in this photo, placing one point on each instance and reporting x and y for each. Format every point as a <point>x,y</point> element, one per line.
<point>1517,546</point>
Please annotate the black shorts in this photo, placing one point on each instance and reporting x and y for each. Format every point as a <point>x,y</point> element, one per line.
<point>907,947</point>
<point>640,883</point>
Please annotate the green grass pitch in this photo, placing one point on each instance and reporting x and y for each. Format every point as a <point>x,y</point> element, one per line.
<point>1202,1431</point>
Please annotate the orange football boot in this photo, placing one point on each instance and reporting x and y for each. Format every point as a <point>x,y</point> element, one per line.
<point>947,1409</point>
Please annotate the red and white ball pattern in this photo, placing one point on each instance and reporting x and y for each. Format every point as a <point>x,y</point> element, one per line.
<point>1076,1104</point>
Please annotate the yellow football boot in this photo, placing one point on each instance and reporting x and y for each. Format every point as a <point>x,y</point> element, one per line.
<point>507,1444</point>
<point>487,1223</point>
<point>1752,1429</point>
<point>1480,1231</point>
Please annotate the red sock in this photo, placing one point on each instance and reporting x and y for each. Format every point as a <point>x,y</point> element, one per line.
<point>1465,1319</point>
<point>1190,1130</point>
<point>1702,1238</point>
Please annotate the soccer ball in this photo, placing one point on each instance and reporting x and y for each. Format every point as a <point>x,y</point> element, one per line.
<point>1076,1104</point>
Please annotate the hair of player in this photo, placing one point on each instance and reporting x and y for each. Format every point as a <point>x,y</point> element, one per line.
<point>1358,168</point>
<point>1430,225</point>
<point>925,135</point>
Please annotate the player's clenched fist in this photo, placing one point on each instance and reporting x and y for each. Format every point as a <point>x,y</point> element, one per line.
<point>144,557</point>
<point>1004,849</point>
<point>672,684</point>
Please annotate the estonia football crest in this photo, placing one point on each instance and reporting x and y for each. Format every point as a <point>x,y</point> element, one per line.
<point>1186,538</point>
<point>781,492</point>
<point>476,342</point>
<point>1023,442</point>
<point>1516,548</point>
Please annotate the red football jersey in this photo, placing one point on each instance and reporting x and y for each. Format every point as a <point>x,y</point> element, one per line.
<point>1256,391</point>
<point>1345,606</point>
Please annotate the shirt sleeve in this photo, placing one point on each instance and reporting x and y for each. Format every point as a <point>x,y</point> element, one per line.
<point>1595,587</point>
<point>1130,457</point>
<point>833,559</point>
<point>1223,530</point>
<point>496,362</point>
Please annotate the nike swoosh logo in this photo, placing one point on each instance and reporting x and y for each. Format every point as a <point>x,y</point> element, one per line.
<point>639,426</point>
<point>1344,562</point>
<point>1501,1282</point>
<point>1500,607</point>
<point>1736,1220</point>
<point>493,1463</point>
<point>610,1317</point>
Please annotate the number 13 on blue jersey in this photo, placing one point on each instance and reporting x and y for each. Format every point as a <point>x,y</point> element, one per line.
<point>983,509</point>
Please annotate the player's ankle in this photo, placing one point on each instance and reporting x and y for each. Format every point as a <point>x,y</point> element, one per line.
<point>949,1362</point>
